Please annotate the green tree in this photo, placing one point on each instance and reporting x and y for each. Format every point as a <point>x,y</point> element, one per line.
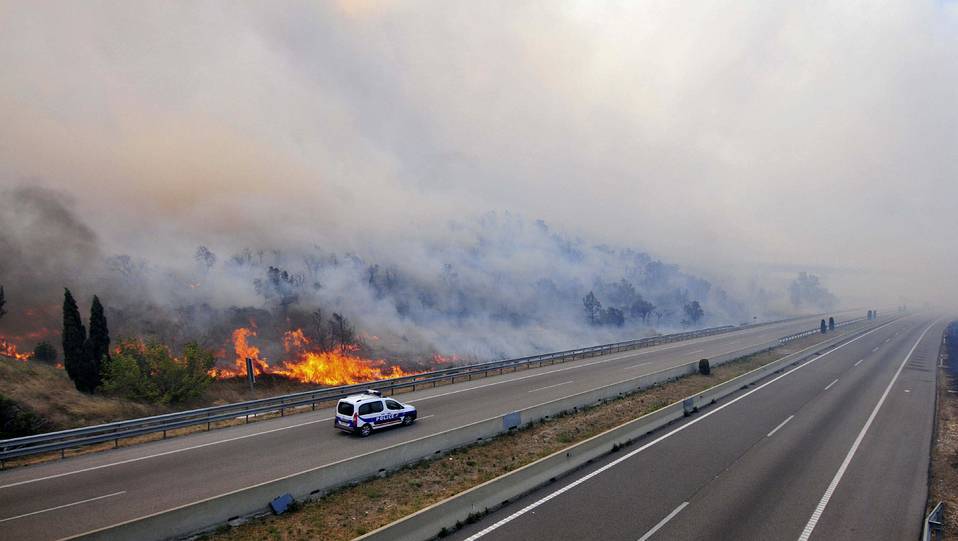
<point>98,342</point>
<point>45,352</point>
<point>74,350</point>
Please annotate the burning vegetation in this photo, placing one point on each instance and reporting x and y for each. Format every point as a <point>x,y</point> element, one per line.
<point>8,349</point>
<point>307,362</point>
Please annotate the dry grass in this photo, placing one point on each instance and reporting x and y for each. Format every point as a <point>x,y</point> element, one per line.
<point>355,510</point>
<point>49,393</point>
<point>943,485</point>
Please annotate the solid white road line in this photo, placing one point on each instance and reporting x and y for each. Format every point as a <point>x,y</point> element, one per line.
<point>774,430</point>
<point>695,420</point>
<point>63,506</point>
<point>664,521</point>
<point>874,350</point>
<point>820,508</point>
<point>549,386</point>
<point>859,362</point>
<point>829,386</point>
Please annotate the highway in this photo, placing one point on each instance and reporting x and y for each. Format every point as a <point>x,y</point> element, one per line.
<point>835,448</point>
<point>84,493</point>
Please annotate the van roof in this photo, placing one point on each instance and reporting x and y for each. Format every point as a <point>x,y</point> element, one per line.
<point>357,398</point>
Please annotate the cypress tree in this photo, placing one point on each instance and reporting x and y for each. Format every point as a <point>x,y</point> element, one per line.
<point>2,302</point>
<point>74,339</point>
<point>97,344</point>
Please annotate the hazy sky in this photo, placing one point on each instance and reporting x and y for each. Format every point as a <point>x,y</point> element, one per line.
<point>735,137</point>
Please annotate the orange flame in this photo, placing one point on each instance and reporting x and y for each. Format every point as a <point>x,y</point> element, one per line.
<point>8,349</point>
<point>243,350</point>
<point>445,359</point>
<point>339,367</point>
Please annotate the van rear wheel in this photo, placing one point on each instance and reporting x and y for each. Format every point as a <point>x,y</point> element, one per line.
<point>365,431</point>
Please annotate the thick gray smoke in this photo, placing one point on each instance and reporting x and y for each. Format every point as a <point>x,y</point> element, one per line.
<point>745,142</point>
<point>490,286</point>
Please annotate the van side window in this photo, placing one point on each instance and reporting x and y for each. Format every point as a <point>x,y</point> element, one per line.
<point>376,407</point>
<point>393,405</point>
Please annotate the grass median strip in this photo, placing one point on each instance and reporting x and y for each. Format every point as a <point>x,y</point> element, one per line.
<point>943,477</point>
<point>354,510</point>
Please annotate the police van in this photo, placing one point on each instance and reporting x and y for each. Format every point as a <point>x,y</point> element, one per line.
<point>363,413</point>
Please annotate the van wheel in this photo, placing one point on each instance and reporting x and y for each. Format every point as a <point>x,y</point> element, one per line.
<point>408,420</point>
<point>365,431</point>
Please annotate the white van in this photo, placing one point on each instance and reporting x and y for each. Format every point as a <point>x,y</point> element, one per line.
<point>363,413</point>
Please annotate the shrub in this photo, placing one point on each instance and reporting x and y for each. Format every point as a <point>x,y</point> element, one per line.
<point>150,372</point>
<point>17,420</point>
<point>45,352</point>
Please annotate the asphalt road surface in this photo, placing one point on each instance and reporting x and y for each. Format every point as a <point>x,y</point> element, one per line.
<point>80,494</point>
<point>836,448</point>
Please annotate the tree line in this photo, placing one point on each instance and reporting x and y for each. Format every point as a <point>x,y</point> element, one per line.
<point>638,308</point>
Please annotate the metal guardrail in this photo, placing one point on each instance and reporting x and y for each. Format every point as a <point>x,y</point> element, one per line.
<point>803,334</point>
<point>934,524</point>
<point>79,437</point>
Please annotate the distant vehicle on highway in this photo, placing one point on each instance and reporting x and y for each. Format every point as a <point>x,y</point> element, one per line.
<point>363,413</point>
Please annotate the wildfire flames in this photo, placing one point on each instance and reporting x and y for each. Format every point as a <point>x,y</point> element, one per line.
<point>7,349</point>
<point>338,367</point>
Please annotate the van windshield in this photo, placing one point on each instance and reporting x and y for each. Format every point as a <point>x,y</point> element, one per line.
<point>345,408</point>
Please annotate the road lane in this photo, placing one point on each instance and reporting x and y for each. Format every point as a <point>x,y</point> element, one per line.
<point>757,468</point>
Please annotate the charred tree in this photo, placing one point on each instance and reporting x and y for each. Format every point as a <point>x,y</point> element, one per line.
<point>321,331</point>
<point>342,332</point>
<point>3,301</point>
<point>693,312</point>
